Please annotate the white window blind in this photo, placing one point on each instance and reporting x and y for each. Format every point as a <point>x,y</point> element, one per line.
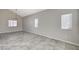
<point>66,21</point>
<point>36,23</point>
<point>12,23</point>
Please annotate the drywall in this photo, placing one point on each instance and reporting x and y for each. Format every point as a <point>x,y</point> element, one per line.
<point>6,15</point>
<point>50,25</point>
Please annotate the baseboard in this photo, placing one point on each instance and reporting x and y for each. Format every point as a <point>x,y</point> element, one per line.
<point>10,32</point>
<point>45,36</point>
<point>57,39</point>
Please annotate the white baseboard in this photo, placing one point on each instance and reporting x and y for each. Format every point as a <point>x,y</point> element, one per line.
<point>10,31</point>
<point>58,39</point>
<point>45,36</point>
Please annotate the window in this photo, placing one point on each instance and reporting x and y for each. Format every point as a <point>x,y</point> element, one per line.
<point>12,23</point>
<point>66,21</point>
<point>36,23</point>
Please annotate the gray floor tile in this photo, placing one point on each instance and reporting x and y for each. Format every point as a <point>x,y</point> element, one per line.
<point>29,41</point>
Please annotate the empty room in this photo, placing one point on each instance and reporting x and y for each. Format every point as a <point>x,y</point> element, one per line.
<point>39,29</point>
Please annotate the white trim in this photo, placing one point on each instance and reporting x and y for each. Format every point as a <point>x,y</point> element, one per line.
<point>57,39</point>
<point>11,31</point>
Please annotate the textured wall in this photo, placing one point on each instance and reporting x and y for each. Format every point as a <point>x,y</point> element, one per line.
<point>50,25</point>
<point>6,15</point>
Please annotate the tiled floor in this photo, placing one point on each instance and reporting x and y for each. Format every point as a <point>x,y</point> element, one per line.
<point>29,41</point>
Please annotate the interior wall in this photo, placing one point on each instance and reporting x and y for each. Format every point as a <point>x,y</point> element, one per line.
<point>6,15</point>
<point>50,25</point>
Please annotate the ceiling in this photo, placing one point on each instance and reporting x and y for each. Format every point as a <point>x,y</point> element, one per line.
<point>26,12</point>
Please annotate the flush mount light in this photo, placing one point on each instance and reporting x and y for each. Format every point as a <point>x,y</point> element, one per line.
<point>66,21</point>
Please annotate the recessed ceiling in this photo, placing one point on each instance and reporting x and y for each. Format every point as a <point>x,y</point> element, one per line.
<point>26,12</point>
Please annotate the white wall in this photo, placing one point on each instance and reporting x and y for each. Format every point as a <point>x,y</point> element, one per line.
<point>50,25</point>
